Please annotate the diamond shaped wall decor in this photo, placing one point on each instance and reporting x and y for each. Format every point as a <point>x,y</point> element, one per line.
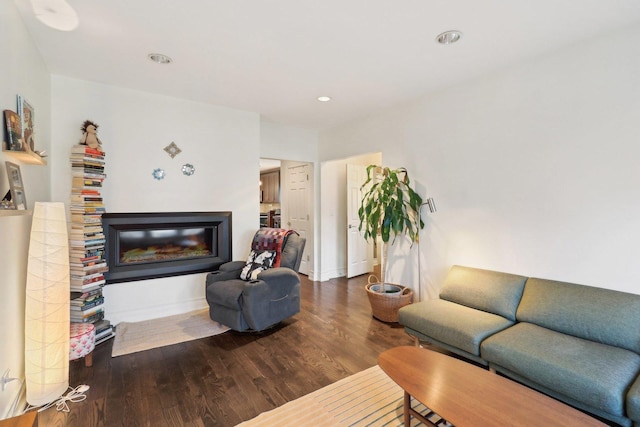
<point>172,149</point>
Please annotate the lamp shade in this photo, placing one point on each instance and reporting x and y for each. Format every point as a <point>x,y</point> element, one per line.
<point>57,14</point>
<point>47,306</point>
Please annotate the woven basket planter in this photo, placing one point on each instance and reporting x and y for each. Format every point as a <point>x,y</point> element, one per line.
<point>387,298</point>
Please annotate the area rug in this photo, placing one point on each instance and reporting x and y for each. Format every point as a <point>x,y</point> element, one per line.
<point>368,398</point>
<point>140,336</point>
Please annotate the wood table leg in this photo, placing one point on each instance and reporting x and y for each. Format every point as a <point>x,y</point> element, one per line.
<point>88,360</point>
<point>407,409</point>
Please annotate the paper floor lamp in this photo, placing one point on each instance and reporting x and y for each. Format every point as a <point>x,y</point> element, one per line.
<point>47,306</point>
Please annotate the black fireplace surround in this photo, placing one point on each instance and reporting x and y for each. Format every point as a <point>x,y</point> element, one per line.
<point>143,246</point>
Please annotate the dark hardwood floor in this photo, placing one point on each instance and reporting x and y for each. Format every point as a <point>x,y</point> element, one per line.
<point>232,377</point>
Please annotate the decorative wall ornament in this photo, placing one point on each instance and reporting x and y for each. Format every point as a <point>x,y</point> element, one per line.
<point>159,174</point>
<point>188,169</point>
<point>172,149</point>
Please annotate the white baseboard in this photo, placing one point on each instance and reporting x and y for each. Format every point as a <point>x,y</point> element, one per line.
<point>332,274</point>
<point>139,314</point>
<point>312,276</point>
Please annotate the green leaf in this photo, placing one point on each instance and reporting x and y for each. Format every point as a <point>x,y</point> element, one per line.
<point>389,205</point>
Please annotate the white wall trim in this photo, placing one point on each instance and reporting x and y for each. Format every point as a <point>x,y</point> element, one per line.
<point>332,274</point>
<point>138,314</point>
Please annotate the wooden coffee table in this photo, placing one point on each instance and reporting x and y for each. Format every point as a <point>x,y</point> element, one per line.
<point>467,395</point>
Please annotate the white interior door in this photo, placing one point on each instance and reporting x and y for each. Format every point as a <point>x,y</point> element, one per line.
<point>298,207</point>
<point>359,251</point>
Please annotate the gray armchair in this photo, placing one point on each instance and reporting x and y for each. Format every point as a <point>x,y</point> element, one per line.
<point>257,304</point>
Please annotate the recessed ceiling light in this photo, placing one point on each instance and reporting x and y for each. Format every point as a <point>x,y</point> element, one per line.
<point>449,37</point>
<point>324,98</point>
<point>160,58</point>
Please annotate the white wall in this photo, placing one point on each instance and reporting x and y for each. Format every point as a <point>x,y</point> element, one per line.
<point>533,168</point>
<point>222,144</point>
<point>24,73</point>
<point>14,228</point>
<point>283,142</point>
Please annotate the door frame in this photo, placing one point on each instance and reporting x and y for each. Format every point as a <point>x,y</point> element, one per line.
<point>309,249</point>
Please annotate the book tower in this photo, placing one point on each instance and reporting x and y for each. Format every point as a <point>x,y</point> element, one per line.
<point>86,241</point>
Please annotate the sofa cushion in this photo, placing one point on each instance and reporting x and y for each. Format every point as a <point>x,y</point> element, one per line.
<point>485,290</point>
<point>633,401</point>
<point>589,372</point>
<point>451,323</point>
<point>596,314</point>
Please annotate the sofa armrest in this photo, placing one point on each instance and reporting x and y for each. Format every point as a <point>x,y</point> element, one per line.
<point>633,402</point>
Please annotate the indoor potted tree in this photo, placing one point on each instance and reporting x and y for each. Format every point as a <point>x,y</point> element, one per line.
<point>389,207</point>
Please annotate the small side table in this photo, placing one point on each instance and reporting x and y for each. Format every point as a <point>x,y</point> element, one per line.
<point>82,342</point>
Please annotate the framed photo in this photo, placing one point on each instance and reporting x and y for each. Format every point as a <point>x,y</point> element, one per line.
<point>20,201</point>
<point>16,186</point>
<point>26,113</point>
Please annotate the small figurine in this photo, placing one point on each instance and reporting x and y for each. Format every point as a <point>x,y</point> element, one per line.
<point>89,134</point>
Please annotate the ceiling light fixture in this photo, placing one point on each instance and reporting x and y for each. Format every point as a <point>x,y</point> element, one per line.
<point>324,98</point>
<point>57,14</point>
<point>159,58</point>
<point>449,37</point>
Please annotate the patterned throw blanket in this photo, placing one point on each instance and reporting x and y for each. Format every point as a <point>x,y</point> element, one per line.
<point>271,239</point>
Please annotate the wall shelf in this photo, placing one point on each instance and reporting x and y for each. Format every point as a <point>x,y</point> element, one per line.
<point>14,212</point>
<point>28,157</point>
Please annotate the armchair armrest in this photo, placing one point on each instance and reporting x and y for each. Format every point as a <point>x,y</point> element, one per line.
<point>228,271</point>
<point>233,265</point>
<point>280,277</point>
<point>272,284</point>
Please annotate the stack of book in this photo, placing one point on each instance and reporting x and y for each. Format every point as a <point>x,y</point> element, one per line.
<point>87,240</point>
<point>89,307</point>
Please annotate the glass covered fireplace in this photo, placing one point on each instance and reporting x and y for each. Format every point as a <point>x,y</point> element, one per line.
<point>151,245</point>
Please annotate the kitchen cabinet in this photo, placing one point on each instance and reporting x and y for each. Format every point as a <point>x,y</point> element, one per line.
<point>270,187</point>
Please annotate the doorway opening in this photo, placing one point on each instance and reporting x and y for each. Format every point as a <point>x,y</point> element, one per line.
<point>342,245</point>
<point>287,201</point>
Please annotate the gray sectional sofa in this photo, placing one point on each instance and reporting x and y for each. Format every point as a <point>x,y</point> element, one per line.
<point>579,344</point>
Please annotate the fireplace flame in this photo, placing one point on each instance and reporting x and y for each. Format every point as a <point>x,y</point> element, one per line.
<point>164,253</point>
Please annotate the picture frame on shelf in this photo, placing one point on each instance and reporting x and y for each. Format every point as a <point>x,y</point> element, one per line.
<point>13,126</point>
<point>16,186</point>
<point>20,201</point>
<point>14,174</point>
<point>27,117</point>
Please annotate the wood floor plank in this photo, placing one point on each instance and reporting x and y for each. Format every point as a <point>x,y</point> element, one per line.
<point>229,378</point>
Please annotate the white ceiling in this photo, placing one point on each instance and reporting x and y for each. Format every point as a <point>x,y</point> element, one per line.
<point>275,57</point>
